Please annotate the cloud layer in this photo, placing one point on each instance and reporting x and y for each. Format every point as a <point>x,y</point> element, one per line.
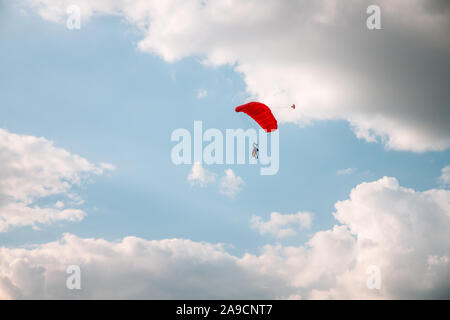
<point>33,169</point>
<point>389,84</point>
<point>282,225</point>
<point>401,231</point>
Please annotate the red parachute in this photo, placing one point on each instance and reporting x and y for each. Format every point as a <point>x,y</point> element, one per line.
<point>261,114</point>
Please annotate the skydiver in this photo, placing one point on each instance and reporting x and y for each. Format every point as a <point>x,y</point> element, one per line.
<point>255,152</point>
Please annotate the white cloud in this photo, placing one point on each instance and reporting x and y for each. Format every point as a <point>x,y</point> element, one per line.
<point>16,214</point>
<point>230,184</point>
<point>397,229</point>
<point>345,171</point>
<point>382,224</point>
<point>202,93</point>
<point>402,231</point>
<point>129,268</point>
<point>200,176</point>
<point>32,169</point>
<point>107,166</point>
<point>59,204</point>
<point>282,225</point>
<point>317,54</point>
<point>445,175</point>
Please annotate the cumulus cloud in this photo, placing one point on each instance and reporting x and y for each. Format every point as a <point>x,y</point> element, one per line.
<point>282,225</point>
<point>230,184</point>
<point>445,176</point>
<point>401,231</point>
<point>129,268</point>
<point>397,229</point>
<point>389,84</point>
<point>200,176</point>
<point>33,169</point>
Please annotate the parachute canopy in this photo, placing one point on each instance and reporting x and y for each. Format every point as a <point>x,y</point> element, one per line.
<point>261,114</point>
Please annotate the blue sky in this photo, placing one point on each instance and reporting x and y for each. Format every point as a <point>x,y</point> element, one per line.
<point>102,94</point>
<point>94,94</point>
